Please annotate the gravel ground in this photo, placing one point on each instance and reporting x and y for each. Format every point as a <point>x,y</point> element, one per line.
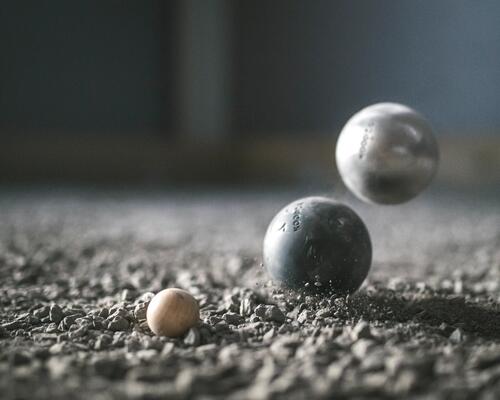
<point>77,269</point>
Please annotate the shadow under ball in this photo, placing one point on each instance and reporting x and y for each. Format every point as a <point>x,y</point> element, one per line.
<point>318,243</point>
<point>387,153</point>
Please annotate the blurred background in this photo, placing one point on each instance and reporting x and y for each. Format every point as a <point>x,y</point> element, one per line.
<point>238,92</point>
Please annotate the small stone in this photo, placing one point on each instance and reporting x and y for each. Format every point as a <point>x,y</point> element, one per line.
<point>133,346</point>
<point>193,337</point>
<point>140,311</point>
<point>3,332</point>
<point>247,306</point>
<point>445,329</point>
<point>153,343</point>
<point>304,316</point>
<point>98,323</point>
<point>375,382</point>
<point>144,327</point>
<point>103,342</point>
<point>270,313</point>
<point>255,319</point>
<point>269,334</point>
<point>233,318</point>
<point>324,313</point>
<point>167,348</point>
<point>396,284</point>
<point>232,303</point>
<point>147,354</point>
<point>260,310</point>
<point>118,312</point>
<point>285,347</point>
<point>55,314</point>
<point>487,359</point>
<point>146,297</point>
<point>76,312</point>
<point>110,368</point>
<point>118,339</point>
<point>118,324</point>
<point>19,358</point>
<point>10,326</point>
<point>361,331</point>
<point>59,366</point>
<point>127,295</point>
<point>273,313</point>
<point>184,381</point>
<point>362,347</point>
<point>41,354</point>
<point>82,331</point>
<point>103,313</point>
<point>214,320</point>
<point>457,336</point>
<point>374,360</point>
<point>51,328</point>
<point>42,312</point>
<point>83,322</point>
<point>406,381</point>
<point>57,348</point>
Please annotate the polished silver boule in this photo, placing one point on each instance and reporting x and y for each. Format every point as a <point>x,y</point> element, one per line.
<point>387,153</point>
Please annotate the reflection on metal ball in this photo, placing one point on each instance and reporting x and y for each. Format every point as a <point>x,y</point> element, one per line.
<point>387,153</point>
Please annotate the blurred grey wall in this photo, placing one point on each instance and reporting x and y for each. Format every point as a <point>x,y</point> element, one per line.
<point>86,66</point>
<point>306,66</point>
<point>285,66</point>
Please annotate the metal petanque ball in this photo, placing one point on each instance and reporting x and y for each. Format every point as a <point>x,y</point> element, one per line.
<point>387,153</point>
<point>318,243</point>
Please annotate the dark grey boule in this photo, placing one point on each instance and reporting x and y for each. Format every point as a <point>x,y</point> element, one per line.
<point>319,243</point>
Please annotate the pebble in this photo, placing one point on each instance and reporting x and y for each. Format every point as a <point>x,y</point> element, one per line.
<point>41,312</point>
<point>362,347</point>
<point>10,326</point>
<point>66,322</point>
<point>17,358</point>
<point>127,295</point>
<point>111,368</point>
<point>233,318</point>
<point>304,316</point>
<point>457,336</point>
<point>118,323</point>
<point>167,348</point>
<point>269,334</point>
<point>79,332</point>
<point>57,348</point>
<point>192,337</point>
<point>285,346</point>
<point>361,330</point>
<point>324,312</point>
<point>247,306</point>
<point>270,313</point>
<point>103,342</point>
<point>55,314</point>
<point>140,311</point>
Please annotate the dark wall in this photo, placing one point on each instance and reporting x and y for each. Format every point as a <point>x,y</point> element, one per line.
<point>309,65</point>
<point>113,66</point>
<point>78,66</point>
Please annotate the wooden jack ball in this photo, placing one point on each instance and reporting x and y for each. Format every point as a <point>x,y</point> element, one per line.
<point>172,312</point>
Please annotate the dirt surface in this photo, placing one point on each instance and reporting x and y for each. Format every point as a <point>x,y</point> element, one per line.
<point>77,269</point>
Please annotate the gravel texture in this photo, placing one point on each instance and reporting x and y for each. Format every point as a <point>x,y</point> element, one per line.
<point>78,268</point>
